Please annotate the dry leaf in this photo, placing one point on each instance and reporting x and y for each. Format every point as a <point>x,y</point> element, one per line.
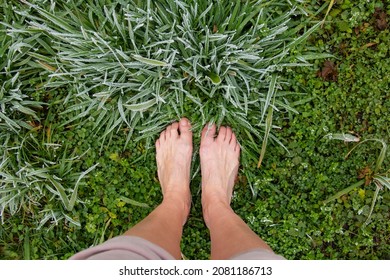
<point>380,19</point>
<point>329,71</point>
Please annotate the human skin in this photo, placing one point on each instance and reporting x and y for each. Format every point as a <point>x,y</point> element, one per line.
<point>219,156</point>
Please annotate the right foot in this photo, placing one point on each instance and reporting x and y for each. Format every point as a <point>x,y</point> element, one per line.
<point>219,157</point>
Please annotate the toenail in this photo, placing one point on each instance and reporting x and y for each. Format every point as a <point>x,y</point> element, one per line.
<point>183,122</point>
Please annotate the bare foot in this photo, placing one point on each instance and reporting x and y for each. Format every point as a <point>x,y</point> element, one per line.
<point>173,156</point>
<point>219,158</point>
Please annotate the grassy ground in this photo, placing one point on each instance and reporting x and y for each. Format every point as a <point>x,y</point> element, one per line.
<point>283,200</point>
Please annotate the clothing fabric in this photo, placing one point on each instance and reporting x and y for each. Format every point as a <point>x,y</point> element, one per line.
<point>137,248</point>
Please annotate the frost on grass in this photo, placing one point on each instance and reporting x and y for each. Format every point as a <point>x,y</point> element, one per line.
<point>145,63</point>
<point>135,66</point>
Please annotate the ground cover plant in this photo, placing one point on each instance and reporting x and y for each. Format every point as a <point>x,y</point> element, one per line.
<point>87,87</point>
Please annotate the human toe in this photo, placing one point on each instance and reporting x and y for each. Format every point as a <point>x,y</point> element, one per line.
<point>163,136</point>
<point>229,134</point>
<point>208,134</point>
<point>237,149</point>
<point>173,129</point>
<point>233,139</point>
<point>157,144</point>
<point>222,134</point>
<point>184,127</point>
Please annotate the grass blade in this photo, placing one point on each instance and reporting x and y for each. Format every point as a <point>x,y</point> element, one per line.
<point>342,136</point>
<point>133,202</point>
<point>381,157</point>
<point>270,94</point>
<point>27,246</point>
<point>384,181</point>
<point>345,191</point>
<point>306,35</point>
<point>72,221</point>
<point>151,62</point>
<point>61,192</point>
<point>327,12</point>
<point>215,79</point>
<point>141,106</point>
<point>268,126</point>
<point>378,188</point>
<point>74,193</point>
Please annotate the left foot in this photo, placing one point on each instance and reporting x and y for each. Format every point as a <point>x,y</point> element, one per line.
<point>173,156</point>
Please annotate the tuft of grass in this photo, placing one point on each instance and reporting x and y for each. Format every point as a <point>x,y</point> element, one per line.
<point>33,172</point>
<point>142,64</point>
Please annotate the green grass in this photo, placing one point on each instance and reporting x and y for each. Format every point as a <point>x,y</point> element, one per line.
<point>86,90</point>
<point>143,64</point>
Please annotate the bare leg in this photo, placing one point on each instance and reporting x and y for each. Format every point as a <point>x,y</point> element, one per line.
<point>164,225</point>
<point>219,163</point>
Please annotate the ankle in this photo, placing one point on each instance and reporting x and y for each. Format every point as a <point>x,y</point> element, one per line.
<point>177,198</point>
<point>180,203</point>
<point>214,209</point>
<point>176,194</point>
<point>214,197</point>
